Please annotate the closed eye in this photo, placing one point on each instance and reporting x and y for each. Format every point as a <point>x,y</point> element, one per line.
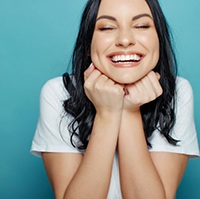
<point>106,28</point>
<point>146,26</point>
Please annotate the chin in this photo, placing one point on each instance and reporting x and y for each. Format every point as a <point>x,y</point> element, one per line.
<point>126,80</point>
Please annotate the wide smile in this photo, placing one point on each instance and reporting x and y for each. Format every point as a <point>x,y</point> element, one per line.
<point>126,59</point>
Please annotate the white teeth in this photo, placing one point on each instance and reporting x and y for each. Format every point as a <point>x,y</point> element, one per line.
<point>136,57</point>
<point>126,58</point>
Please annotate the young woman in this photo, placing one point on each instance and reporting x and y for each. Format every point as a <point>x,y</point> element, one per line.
<point>121,125</point>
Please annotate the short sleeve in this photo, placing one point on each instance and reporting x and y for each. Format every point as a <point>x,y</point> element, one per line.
<point>52,134</point>
<point>184,128</point>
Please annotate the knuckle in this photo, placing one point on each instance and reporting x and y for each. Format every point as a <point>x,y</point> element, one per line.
<point>151,74</point>
<point>87,85</point>
<point>154,96</point>
<point>118,91</point>
<point>98,86</point>
<point>159,91</point>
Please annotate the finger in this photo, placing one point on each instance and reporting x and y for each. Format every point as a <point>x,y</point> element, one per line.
<point>103,78</point>
<point>132,90</point>
<point>158,76</point>
<point>94,75</point>
<point>148,89</point>
<point>88,71</point>
<point>154,79</point>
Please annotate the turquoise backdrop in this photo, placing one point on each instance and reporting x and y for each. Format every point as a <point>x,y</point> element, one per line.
<point>36,39</point>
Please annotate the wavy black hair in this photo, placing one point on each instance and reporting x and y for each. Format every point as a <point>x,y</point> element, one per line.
<point>158,114</point>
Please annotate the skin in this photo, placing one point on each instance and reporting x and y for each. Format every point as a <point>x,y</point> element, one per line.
<point>117,92</point>
<point>124,29</point>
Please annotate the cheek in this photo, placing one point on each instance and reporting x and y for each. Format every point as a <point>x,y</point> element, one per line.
<point>151,43</point>
<point>95,50</point>
<point>155,43</point>
<point>93,47</point>
<point>101,42</point>
<point>156,46</point>
<point>150,40</point>
<point>99,48</point>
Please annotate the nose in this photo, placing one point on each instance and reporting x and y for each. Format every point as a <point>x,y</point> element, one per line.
<point>125,38</point>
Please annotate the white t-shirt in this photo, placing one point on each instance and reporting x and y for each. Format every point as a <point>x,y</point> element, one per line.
<point>52,134</point>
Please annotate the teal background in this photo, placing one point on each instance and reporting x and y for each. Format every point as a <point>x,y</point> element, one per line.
<point>36,39</point>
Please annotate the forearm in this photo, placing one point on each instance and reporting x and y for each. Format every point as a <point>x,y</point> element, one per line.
<point>94,173</point>
<point>138,176</point>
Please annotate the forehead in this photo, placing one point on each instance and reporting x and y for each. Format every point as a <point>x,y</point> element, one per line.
<point>123,7</point>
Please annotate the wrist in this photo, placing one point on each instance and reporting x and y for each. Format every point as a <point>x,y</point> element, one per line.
<point>131,124</point>
<point>130,117</point>
<point>133,111</point>
<point>108,115</point>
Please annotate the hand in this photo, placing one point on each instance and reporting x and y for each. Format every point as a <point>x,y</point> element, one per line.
<point>143,91</point>
<point>104,93</point>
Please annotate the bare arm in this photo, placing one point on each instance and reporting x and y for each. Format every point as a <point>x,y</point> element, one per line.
<point>171,168</point>
<point>145,175</point>
<point>60,168</point>
<point>83,176</point>
<point>139,177</point>
<point>93,176</point>
<point>76,176</point>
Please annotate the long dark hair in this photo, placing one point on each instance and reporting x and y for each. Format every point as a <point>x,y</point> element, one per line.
<point>158,114</point>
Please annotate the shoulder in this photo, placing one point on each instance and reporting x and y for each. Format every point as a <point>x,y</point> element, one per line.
<point>182,83</point>
<point>184,129</point>
<point>52,133</point>
<point>54,85</point>
<point>183,86</point>
<point>184,92</point>
<point>184,103</point>
<point>54,90</point>
<point>54,82</point>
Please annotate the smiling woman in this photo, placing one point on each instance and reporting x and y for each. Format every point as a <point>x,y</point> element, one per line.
<point>129,46</point>
<point>123,120</point>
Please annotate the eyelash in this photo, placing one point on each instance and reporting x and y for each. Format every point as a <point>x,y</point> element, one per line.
<point>106,28</point>
<point>146,26</point>
<point>109,28</point>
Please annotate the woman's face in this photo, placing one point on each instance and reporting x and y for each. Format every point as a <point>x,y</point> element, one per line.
<point>125,45</point>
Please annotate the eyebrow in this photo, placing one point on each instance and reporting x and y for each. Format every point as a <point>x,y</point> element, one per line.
<point>133,19</point>
<point>141,15</point>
